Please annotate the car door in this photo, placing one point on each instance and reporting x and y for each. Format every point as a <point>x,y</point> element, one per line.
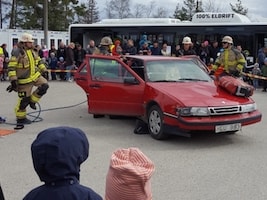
<point>82,76</point>
<point>114,88</point>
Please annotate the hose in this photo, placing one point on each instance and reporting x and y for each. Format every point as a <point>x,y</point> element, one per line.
<point>36,114</point>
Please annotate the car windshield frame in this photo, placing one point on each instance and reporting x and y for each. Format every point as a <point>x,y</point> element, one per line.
<point>175,71</point>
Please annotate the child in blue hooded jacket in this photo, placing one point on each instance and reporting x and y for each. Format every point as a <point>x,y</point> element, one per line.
<point>57,154</point>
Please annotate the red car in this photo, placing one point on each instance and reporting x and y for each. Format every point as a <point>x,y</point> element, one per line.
<point>170,94</point>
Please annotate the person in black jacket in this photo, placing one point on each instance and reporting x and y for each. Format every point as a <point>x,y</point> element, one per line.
<point>57,154</point>
<point>70,60</point>
<point>1,194</point>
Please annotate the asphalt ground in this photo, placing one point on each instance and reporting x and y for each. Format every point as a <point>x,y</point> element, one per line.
<point>206,166</point>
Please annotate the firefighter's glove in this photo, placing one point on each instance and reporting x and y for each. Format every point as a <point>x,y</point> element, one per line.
<point>13,86</point>
<point>236,73</point>
<point>45,75</point>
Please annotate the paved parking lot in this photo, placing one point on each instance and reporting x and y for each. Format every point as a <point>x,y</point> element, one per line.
<point>204,167</point>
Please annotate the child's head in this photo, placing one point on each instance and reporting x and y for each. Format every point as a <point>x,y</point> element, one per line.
<point>129,173</point>
<point>58,152</point>
<point>256,65</point>
<point>52,55</point>
<point>61,59</point>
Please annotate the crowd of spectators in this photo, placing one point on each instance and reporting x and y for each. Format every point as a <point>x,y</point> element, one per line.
<point>69,57</point>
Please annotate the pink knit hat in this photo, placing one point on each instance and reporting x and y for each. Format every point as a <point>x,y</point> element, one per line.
<point>129,175</point>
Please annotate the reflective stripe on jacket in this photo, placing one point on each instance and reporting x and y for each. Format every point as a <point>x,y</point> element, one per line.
<point>230,60</point>
<point>25,68</point>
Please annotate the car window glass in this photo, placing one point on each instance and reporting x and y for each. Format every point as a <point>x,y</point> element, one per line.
<point>175,70</point>
<point>137,66</point>
<point>83,69</point>
<point>107,70</point>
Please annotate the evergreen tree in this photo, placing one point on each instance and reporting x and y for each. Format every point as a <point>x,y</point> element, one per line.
<point>188,10</point>
<point>91,14</point>
<point>29,14</point>
<point>239,8</point>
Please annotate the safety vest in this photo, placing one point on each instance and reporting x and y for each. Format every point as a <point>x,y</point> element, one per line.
<point>25,67</point>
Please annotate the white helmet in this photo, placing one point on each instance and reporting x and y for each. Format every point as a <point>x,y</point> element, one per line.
<point>227,39</point>
<point>26,37</point>
<point>187,40</point>
<point>106,41</point>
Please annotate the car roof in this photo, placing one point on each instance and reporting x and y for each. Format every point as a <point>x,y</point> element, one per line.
<point>151,58</point>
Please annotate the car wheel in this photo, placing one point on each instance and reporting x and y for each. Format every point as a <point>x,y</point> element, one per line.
<point>155,123</point>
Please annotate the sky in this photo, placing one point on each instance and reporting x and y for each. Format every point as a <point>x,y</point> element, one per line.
<point>256,8</point>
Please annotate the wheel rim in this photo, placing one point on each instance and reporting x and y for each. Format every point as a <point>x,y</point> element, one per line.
<point>155,122</point>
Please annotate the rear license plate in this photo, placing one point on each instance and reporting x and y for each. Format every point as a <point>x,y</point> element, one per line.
<point>227,127</point>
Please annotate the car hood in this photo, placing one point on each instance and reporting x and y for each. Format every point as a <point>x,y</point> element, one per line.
<point>199,94</point>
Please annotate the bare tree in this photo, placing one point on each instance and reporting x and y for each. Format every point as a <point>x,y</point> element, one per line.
<point>212,6</point>
<point>118,9</point>
<point>149,8</point>
<point>160,13</point>
<point>139,10</point>
<point>109,11</point>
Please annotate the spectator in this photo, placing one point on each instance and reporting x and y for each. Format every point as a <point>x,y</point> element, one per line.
<point>130,49</point>
<point>145,49</point>
<point>203,52</point>
<point>214,50</point>
<point>164,51</point>
<point>45,52</point>
<point>53,50</point>
<point>52,63</point>
<point>256,71</point>
<point>79,54</point>
<point>61,65</point>
<point>155,50</point>
<point>129,175</point>
<point>91,48</point>
<point>117,49</point>
<point>264,73</point>
<point>261,56</point>
<point>61,51</point>
<point>70,60</point>
<point>177,51</point>
<point>2,59</point>
<point>57,154</point>
<point>1,194</point>
<point>39,50</point>
<point>6,60</point>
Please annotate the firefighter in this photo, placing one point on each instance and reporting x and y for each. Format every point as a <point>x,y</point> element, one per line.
<point>230,59</point>
<point>26,70</point>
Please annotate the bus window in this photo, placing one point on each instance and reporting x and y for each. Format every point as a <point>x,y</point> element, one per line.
<point>35,40</point>
<point>15,41</point>
<point>58,42</point>
<point>52,42</point>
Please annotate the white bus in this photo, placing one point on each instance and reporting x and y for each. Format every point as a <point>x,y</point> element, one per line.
<point>11,37</point>
<point>204,26</point>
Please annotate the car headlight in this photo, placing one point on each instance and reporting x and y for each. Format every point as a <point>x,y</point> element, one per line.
<point>193,111</point>
<point>248,107</point>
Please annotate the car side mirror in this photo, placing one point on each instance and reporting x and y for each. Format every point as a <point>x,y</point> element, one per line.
<point>130,80</point>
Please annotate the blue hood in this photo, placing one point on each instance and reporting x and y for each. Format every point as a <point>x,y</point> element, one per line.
<point>58,152</point>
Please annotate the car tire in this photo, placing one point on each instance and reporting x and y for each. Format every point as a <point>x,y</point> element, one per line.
<point>155,123</point>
